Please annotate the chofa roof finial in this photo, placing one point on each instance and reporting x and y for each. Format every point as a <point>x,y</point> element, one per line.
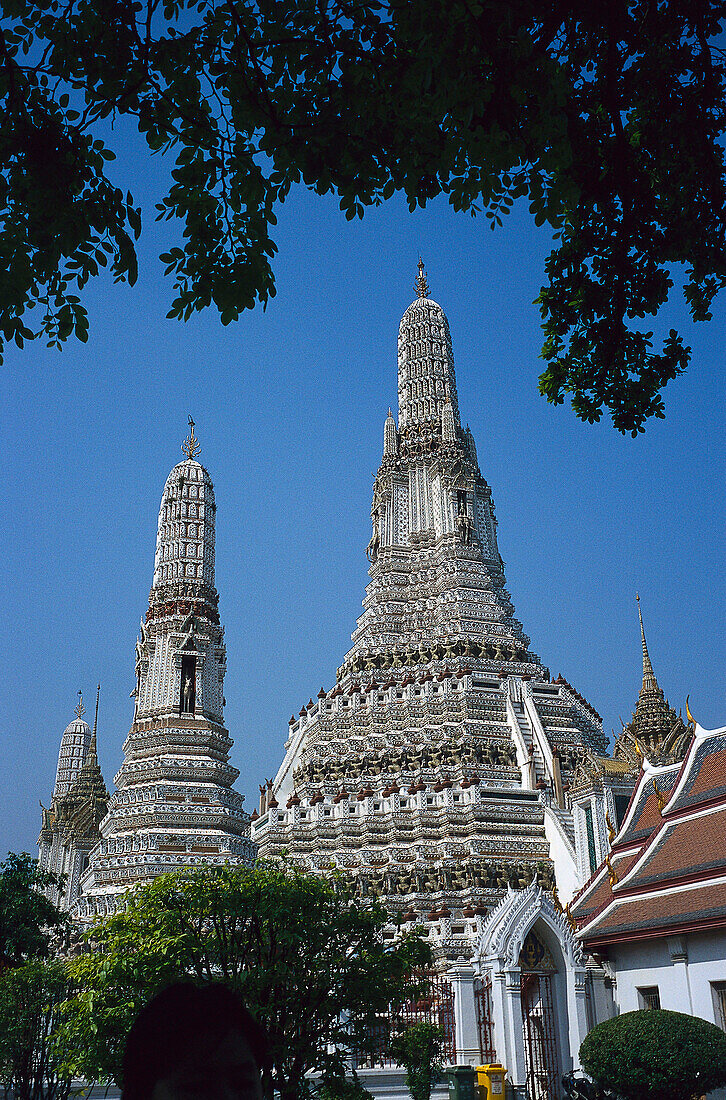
<point>421,285</point>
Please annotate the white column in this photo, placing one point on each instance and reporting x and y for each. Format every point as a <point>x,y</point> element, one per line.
<point>576,979</point>
<point>467,1039</point>
<point>516,1060</point>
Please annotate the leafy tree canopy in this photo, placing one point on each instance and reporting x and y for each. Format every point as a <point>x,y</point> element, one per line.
<point>27,917</point>
<point>32,1061</point>
<point>656,1055</point>
<point>606,118</point>
<point>308,960</point>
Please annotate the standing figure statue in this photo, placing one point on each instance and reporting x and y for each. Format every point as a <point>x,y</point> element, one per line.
<point>465,526</point>
<point>188,693</point>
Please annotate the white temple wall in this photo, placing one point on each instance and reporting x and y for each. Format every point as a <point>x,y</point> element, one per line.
<point>683,968</point>
<point>602,996</point>
<point>566,872</point>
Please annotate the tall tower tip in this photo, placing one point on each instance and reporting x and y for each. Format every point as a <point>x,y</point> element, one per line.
<point>421,285</point>
<point>191,446</point>
<point>647,666</point>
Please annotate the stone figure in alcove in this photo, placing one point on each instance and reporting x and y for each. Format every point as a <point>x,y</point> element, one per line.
<point>188,693</point>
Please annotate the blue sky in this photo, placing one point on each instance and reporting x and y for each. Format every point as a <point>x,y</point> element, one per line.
<point>289,405</point>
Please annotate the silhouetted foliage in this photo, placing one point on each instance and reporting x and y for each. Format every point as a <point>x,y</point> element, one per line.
<point>606,118</point>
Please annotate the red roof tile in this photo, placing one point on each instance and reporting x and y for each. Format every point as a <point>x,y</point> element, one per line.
<point>594,898</point>
<point>694,845</point>
<point>709,781</point>
<point>646,915</point>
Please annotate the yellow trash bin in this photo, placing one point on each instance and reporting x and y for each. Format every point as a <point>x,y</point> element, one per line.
<point>490,1079</point>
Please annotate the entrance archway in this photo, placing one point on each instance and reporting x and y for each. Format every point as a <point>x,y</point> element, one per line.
<point>539,1024</point>
<point>529,960</point>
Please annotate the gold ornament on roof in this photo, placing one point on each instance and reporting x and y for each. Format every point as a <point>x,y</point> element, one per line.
<point>80,709</point>
<point>191,445</point>
<point>689,716</point>
<point>610,826</point>
<point>659,795</point>
<point>638,749</point>
<point>421,285</point>
<point>612,873</point>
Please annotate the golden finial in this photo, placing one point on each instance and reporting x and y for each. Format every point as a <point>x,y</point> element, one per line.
<point>659,795</point>
<point>689,716</point>
<point>639,751</point>
<point>612,873</point>
<point>80,709</point>
<point>191,446</point>
<point>611,828</point>
<point>570,919</point>
<point>421,285</point>
<point>556,899</point>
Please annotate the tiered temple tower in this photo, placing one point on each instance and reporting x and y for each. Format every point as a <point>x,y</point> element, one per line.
<point>175,804</point>
<point>602,786</point>
<point>655,730</point>
<point>434,772</point>
<point>70,828</point>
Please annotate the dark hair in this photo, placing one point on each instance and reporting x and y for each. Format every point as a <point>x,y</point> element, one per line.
<point>183,1016</point>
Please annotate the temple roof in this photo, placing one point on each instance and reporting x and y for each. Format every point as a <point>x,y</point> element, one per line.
<point>667,869</point>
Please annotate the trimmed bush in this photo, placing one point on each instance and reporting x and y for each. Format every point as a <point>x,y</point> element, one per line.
<point>656,1055</point>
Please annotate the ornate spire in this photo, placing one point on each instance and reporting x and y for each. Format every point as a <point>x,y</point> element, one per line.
<point>92,746</point>
<point>655,729</point>
<point>184,561</point>
<point>421,285</point>
<point>649,680</point>
<point>426,380</point>
<point>80,709</point>
<point>191,446</point>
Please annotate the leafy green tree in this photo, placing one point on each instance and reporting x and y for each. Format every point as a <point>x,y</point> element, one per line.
<point>307,958</point>
<point>656,1055</point>
<point>28,918</point>
<point>32,1061</point>
<point>419,1048</point>
<point>608,120</point>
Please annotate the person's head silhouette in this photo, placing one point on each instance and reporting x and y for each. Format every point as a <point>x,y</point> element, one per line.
<point>192,1043</point>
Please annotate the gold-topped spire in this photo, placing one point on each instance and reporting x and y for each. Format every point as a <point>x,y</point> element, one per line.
<point>80,709</point>
<point>647,666</point>
<point>421,285</point>
<point>95,723</point>
<point>191,445</point>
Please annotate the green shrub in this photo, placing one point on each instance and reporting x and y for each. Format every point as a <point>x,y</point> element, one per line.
<point>656,1055</point>
<point>419,1049</point>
